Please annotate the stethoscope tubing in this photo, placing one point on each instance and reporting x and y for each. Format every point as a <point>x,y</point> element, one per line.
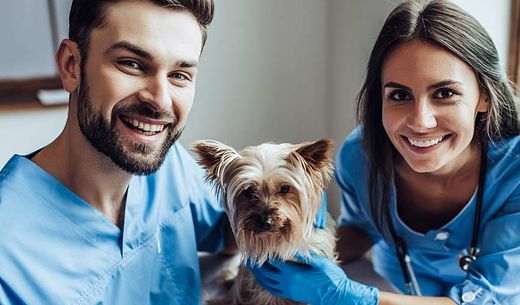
<point>401,249</point>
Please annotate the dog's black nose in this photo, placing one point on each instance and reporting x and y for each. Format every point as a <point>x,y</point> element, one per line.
<point>264,227</point>
<point>264,223</point>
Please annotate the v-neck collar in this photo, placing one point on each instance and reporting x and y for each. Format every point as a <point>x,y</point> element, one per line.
<point>81,216</point>
<point>404,228</point>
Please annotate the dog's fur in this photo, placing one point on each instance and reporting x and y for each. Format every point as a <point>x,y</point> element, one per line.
<point>271,194</point>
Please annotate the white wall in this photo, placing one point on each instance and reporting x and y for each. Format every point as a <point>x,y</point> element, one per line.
<point>494,16</point>
<point>263,74</point>
<point>283,71</point>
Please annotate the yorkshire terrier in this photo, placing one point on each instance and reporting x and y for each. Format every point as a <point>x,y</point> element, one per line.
<point>271,194</point>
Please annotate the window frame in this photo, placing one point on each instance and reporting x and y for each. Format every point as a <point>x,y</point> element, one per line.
<point>513,63</point>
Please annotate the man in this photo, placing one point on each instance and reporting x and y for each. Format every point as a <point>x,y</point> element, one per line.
<point>108,213</point>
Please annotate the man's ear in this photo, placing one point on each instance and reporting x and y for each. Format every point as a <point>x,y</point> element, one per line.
<point>214,157</point>
<point>483,102</point>
<point>68,61</point>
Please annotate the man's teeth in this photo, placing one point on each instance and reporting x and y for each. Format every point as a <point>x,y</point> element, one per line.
<point>424,143</point>
<point>144,126</point>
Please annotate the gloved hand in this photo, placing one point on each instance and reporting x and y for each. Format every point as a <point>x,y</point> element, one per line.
<point>317,281</point>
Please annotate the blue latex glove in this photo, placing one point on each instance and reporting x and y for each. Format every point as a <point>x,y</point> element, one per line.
<point>320,221</point>
<point>317,281</point>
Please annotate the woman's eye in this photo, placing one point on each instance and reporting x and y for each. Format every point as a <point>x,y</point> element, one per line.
<point>399,95</point>
<point>130,64</point>
<point>285,189</point>
<point>444,93</point>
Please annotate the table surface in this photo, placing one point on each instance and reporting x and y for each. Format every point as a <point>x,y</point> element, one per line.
<point>212,266</point>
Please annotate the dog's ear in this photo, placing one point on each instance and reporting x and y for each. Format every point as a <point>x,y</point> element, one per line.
<point>213,156</point>
<point>318,154</point>
<point>317,158</point>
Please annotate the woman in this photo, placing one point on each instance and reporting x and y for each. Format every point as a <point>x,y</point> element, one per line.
<point>431,181</point>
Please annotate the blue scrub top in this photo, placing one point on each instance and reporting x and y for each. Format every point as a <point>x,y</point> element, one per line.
<point>55,248</point>
<point>494,278</point>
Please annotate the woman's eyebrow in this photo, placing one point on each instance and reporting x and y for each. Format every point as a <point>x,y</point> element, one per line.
<point>396,85</point>
<point>430,87</point>
<point>443,83</point>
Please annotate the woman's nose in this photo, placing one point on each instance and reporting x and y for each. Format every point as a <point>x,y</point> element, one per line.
<point>422,117</point>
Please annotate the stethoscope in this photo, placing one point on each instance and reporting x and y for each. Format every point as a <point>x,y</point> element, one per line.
<point>468,256</point>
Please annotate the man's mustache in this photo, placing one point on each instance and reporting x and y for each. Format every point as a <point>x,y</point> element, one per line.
<point>146,111</point>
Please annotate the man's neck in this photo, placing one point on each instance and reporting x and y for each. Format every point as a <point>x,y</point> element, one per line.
<point>73,161</point>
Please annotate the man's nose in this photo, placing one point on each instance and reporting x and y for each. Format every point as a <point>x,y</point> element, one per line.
<point>423,116</point>
<point>156,92</point>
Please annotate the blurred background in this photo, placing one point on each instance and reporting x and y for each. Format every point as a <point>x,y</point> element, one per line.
<point>272,70</point>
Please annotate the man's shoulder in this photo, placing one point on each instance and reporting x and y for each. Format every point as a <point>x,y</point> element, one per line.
<point>15,201</point>
<point>11,188</point>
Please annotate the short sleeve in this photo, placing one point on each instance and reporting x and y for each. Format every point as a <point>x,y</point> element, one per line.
<point>206,209</point>
<point>494,278</point>
<point>351,172</point>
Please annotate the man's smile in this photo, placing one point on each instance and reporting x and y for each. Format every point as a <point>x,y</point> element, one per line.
<point>148,128</point>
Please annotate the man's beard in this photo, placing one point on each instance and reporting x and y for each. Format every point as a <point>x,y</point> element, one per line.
<point>131,156</point>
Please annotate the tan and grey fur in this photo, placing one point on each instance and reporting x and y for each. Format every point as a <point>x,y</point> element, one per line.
<point>271,194</point>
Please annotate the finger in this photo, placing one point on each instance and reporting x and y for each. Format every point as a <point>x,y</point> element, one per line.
<point>274,291</point>
<point>287,267</point>
<point>266,281</point>
<point>300,257</point>
<point>268,266</point>
<point>311,260</point>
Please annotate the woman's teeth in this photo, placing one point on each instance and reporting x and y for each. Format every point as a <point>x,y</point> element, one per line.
<point>424,143</point>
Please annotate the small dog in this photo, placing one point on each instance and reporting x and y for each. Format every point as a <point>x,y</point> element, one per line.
<point>271,194</point>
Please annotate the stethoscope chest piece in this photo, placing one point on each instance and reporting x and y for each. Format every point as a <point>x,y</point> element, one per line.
<point>465,261</point>
<point>468,258</point>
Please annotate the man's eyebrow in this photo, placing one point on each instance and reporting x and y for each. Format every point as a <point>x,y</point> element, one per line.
<point>188,64</point>
<point>146,55</point>
<point>396,85</point>
<point>130,47</point>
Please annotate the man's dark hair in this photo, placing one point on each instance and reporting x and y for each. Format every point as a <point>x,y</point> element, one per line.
<point>86,15</point>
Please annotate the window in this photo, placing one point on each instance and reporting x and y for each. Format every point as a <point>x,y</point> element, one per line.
<point>29,38</point>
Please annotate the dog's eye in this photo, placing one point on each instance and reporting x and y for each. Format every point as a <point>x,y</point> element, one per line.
<point>248,192</point>
<point>285,189</point>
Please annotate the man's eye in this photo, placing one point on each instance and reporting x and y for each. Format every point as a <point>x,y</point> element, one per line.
<point>444,93</point>
<point>130,64</point>
<point>179,76</point>
<point>399,95</point>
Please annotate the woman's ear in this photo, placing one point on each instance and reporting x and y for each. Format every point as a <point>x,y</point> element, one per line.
<point>68,61</point>
<point>483,103</point>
